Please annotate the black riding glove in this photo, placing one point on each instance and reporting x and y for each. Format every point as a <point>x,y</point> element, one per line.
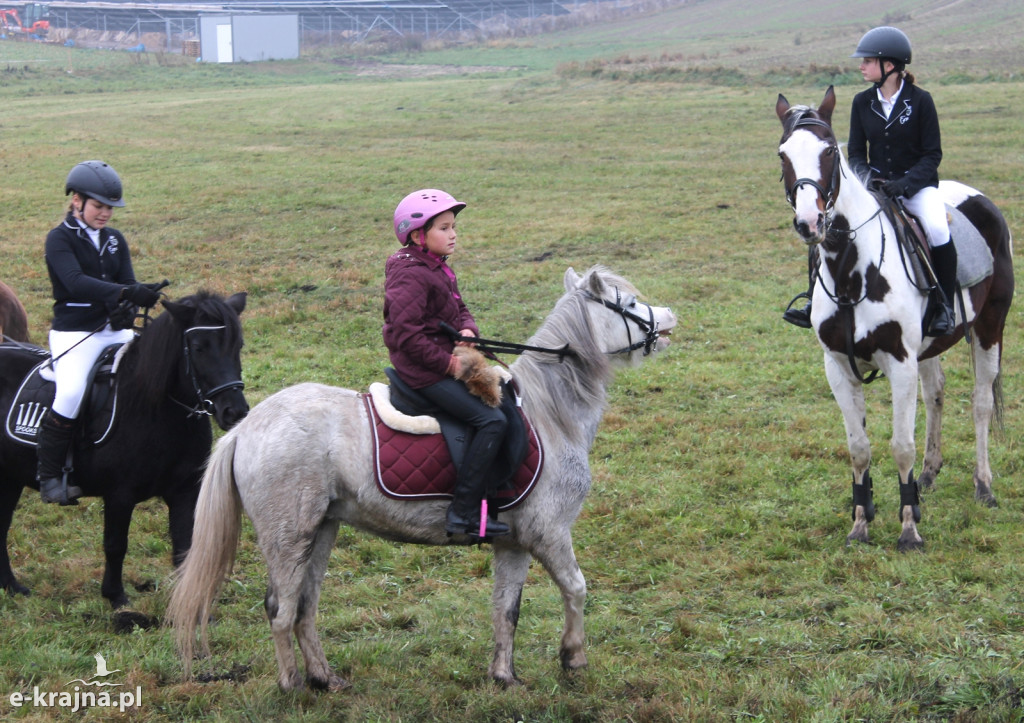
<point>141,294</point>
<point>123,316</point>
<point>894,189</point>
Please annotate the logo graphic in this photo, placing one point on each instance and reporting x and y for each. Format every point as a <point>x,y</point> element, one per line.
<point>80,699</point>
<point>101,672</point>
<point>29,416</point>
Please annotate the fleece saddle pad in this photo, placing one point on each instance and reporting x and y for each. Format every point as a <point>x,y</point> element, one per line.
<point>973,258</point>
<point>418,467</point>
<point>35,396</point>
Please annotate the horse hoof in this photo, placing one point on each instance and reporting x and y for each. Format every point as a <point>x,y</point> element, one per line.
<point>337,683</point>
<point>16,588</point>
<point>909,545</point>
<point>989,499</point>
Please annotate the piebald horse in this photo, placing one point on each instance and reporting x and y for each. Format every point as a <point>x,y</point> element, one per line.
<point>867,312</point>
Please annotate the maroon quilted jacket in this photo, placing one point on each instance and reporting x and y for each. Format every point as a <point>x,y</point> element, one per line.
<point>420,292</point>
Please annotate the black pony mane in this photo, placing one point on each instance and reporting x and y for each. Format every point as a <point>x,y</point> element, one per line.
<point>160,345</point>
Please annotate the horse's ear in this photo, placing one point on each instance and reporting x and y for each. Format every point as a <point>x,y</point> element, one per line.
<point>182,313</point>
<point>237,301</point>
<point>571,279</point>
<point>781,107</point>
<point>827,105</point>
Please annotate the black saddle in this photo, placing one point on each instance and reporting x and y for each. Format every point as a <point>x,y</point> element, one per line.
<point>458,434</point>
<point>35,397</point>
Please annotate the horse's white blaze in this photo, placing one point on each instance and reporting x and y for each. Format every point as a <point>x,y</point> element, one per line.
<point>804,149</point>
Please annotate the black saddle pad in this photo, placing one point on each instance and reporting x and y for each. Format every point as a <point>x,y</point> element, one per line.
<point>35,396</point>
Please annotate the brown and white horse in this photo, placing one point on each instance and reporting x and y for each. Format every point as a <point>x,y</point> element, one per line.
<point>867,311</point>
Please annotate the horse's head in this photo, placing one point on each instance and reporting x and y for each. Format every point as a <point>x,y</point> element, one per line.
<point>628,327</point>
<point>212,345</point>
<point>810,164</point>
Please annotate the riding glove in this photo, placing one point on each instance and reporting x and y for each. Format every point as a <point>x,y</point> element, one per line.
<point>894,189</point>
<point>141,294</point>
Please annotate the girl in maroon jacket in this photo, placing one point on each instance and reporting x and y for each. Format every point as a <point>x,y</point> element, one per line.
<point>895,144</point>
<point>421,292</point>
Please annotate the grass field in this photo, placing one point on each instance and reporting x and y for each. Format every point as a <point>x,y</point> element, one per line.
<point>713,541</point>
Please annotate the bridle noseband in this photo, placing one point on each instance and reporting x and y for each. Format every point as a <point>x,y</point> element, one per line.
<point>204,404</point>
<point>831,191</point>
<point>648,326</point>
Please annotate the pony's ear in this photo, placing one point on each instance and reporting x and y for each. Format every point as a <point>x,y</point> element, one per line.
<point>594,282</point>
<point>571,279</point>
<point>827,105</point>
<point>237,301</point>
<point>182,313</point>
<point>781,107</point>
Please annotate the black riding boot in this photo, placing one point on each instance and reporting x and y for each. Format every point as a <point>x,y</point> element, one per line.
<point>463,515</point>
<point>55,433</point>
<point>944,263</point>
<point>802,317</point>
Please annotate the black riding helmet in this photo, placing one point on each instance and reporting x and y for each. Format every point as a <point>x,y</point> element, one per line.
<point>885,43</point>
<point>96,180</point>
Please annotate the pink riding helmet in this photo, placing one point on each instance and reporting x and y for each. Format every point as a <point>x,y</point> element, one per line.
<point>416,209</point>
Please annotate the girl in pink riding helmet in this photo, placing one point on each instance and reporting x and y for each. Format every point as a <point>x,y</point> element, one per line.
<point>420,293</point>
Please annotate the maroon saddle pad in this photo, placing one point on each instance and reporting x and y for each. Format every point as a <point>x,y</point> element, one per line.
<point>417,467</point>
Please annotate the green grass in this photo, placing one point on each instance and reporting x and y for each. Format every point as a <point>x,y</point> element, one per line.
<point>713,541</point>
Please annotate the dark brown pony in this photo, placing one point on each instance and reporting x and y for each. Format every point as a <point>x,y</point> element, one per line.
<point>13,319</point>
<point>868,311</point>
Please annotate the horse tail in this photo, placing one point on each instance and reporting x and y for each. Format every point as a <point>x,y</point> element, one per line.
<point>218,523</point>
<point>997,398</point>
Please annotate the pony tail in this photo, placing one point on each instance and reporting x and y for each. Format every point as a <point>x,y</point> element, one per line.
<point>218,523</point>
<point>908,77</point>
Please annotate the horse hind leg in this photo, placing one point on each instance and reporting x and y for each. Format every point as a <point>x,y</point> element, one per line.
<point>318,672</point>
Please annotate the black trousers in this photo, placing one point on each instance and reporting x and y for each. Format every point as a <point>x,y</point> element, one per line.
<point>489,425</point>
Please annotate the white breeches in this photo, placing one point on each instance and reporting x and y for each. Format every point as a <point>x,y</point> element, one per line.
<point>929,208</point>
<point>76,352</point>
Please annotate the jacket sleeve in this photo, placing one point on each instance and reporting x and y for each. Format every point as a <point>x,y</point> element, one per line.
<point>926,168</point>
<point>65,266</point>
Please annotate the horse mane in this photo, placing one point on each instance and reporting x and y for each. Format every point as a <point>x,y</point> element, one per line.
<point>160,345</point>
<point>559,394</point>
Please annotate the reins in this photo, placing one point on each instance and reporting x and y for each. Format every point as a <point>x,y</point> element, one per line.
<point>490,347</point>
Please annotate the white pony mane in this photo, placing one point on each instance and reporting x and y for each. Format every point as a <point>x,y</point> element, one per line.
<point>562,395</point>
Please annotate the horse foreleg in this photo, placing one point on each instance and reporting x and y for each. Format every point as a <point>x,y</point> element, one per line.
<point>933,384</point>
<point>318,671</point>
<point>984,401</point>
<point>903,379</point>
<point>181,510</point>
<point>511,565</point>
<point>559,560</point>
<point>9,497</point>
<point>849,395</point>
<point>117,518</point>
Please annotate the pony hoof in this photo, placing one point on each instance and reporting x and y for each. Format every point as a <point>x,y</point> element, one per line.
<point>16,588</point>
<point>909,545</point>
<point>508,682</point>
<point>989,500</point>
<point>337,683</point>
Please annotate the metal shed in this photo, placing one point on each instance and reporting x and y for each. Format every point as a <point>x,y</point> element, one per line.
<point>246,38</point>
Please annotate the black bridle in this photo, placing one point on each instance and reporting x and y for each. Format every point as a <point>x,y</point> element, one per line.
<point>204,404</point>
<point>648,326</point>
<point>831,191</point>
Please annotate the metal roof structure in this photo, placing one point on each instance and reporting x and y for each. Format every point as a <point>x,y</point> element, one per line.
<point>331,17</point>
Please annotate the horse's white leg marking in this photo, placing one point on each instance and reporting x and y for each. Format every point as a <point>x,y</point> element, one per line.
<point>903,383</point>
<point>986,371</point>
<point>510,567</point>
<point>559,560</point>
<point>933,384</point>
<point>849,394</point>
<point>318,671</point>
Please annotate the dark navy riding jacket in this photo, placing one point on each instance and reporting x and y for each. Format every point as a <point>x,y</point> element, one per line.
<point>87,282</point>
<point>906,145</point>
